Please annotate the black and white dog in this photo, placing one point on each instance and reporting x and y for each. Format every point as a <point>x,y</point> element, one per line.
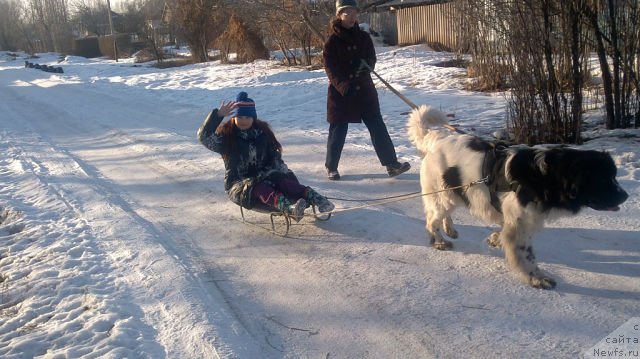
<point>524,187</point>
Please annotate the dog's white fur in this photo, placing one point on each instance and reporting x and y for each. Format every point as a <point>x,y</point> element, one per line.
<point>439,149</point>
<point>444,150</point>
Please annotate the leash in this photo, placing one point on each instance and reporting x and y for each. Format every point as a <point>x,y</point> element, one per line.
<point>402,97</point>
<point>378,201</point>
<point>372,199</point>
<point>402,197</point>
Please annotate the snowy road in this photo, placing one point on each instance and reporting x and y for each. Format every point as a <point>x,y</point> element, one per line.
<point>122,156</point>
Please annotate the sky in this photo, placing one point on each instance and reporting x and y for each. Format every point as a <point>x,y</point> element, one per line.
<point>118,241</point>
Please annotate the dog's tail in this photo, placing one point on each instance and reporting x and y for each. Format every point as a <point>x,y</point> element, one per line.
<point>421,120</point>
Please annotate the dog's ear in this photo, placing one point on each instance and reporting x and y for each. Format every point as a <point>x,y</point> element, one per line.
<point>526,165</point>
<point>541,161</point>
<point>560,164</point>
<point>524,175</point>
<point>562,167</point>
<point>539,175</point>
<point>551,162</point>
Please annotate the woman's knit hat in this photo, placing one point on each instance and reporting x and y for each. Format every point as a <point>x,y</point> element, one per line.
<point>343,4</point>
<point>245,106</point>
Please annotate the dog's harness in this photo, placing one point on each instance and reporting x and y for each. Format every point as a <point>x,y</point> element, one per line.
<point>493,169</point>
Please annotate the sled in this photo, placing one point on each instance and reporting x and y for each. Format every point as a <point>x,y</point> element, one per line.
<point>279,215</point>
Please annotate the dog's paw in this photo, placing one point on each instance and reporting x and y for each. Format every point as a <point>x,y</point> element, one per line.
<point>541,281</point>
<point>441,245</point>
<point>494,240</point>
<point>447,227</point>
<point>451,232</point>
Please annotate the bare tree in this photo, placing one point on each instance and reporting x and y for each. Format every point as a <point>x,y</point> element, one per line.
<point>290,25</point>
<point>538,48</point>
<point>90,16</point>
<point>135,17</point>
<point>483,30</point>
<point>616,35</point>
<point>305,12</point>
<point>201,21</point>
<point>10,25</point>
<point>279,31</point>
<point>242,40</point>
<point>51,20</point>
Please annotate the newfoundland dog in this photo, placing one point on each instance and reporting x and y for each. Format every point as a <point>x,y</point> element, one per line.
<point>521,187</point>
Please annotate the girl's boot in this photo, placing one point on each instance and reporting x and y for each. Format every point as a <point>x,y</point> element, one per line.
<point>318,200</point>
<point>295,210</point>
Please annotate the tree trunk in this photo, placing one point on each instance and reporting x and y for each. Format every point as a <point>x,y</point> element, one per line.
<point>607,82</point>
<point>576,70</point>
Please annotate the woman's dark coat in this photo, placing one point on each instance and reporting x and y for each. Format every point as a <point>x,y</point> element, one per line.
<point>352,94</point>
<point>254,158</point>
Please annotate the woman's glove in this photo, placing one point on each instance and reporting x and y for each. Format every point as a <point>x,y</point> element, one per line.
<point>360,67</point>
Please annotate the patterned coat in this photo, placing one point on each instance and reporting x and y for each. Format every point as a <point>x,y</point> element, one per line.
<point>254,158</point>
<point>342,55</point>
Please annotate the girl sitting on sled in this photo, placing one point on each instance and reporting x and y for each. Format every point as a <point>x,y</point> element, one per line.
<point>255,174</point>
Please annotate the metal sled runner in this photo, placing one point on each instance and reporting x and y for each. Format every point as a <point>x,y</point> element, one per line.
<point>281,215</point>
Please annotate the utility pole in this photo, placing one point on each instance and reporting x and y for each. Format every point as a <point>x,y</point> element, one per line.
<point>115,44</point>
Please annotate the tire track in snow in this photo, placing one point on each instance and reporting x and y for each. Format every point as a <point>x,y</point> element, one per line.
<point>97,190</point>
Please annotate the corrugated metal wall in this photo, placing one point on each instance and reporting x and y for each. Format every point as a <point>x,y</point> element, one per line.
<point>431,24</point>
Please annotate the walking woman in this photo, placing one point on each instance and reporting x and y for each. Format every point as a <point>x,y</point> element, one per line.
<point>352,96</point>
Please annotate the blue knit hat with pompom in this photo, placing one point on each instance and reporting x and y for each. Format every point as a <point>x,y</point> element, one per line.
<point>245,106</point>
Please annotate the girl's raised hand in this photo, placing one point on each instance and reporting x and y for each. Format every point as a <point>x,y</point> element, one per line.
<point>226,108</point>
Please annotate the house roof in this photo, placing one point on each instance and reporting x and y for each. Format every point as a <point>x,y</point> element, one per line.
<point>386,5</point>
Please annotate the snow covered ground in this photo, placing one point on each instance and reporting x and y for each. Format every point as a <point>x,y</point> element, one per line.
<point>117,239</point>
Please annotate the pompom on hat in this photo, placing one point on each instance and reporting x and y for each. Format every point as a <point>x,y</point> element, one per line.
<point>343,4</point>
<point>245,106</point>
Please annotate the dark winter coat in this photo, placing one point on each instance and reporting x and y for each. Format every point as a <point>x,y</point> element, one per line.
<point>254,157</point>
<point>352,94</point>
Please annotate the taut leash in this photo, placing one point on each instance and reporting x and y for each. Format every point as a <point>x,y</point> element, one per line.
<point>402,197</point>
<point>402,97</point>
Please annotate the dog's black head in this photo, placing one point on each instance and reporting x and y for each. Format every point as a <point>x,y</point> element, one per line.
<point>595,183</point>
<point>566,179</point>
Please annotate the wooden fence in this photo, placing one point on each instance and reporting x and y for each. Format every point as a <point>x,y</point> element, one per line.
<point>432,24</point>
<point>385,23</point>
